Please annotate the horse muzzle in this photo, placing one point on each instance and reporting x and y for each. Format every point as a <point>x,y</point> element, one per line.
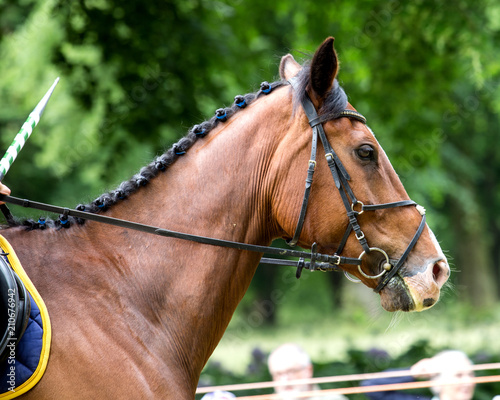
<point>417,291</point>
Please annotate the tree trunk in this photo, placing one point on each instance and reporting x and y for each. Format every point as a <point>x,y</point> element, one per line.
<point>472,260</point>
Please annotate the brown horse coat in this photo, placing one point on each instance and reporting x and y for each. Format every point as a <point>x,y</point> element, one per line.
<point>137,316</point>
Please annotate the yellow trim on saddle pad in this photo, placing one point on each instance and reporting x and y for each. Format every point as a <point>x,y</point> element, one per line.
<point>47,331</point>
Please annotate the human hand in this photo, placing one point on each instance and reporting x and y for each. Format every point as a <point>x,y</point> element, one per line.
<point>4,190</point>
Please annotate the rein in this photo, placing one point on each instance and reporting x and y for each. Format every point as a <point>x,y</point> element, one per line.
<point>309,260</point>
<point>317,261</point>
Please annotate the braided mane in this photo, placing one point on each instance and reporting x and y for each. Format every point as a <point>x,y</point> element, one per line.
<point>333,105</point>
<point>158,165</point>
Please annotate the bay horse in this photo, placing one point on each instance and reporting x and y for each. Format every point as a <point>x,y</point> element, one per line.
<point>137,316</point>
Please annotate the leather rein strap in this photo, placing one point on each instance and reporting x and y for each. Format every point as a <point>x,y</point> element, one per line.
<point>316,261</point>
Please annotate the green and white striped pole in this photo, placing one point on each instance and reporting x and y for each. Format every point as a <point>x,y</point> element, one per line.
<point>24,133</point>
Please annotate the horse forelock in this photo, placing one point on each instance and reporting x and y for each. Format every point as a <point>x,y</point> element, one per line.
<point>333,104</point>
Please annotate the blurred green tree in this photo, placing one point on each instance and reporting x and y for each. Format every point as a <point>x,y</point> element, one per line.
<point>137,74</point>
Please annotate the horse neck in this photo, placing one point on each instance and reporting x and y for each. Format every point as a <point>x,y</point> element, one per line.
<point>185,293</point>
<point>221,188</point>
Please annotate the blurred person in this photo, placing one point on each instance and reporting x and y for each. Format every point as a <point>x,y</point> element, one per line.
<point>289,362</point>
<point>219,395</point>
<point>446,366</point>
<point>4,190</point>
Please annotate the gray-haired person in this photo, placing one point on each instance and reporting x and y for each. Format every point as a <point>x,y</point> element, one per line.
<point>443,370</point>
<point>290,362</point>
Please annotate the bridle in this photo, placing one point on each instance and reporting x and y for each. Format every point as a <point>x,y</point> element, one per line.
<point>341,178</point>
<point>317,261</point>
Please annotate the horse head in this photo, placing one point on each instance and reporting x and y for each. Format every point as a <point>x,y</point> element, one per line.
<point>355,186</point>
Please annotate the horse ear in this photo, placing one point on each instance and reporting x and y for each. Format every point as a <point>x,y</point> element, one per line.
<point>289,67</point>
<point>324,68</point>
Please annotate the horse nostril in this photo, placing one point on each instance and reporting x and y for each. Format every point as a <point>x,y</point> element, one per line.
<point>440,272</point>
<point>436,271</point>
<point>429,302</point>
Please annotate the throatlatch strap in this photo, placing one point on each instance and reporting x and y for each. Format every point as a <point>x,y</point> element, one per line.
<point>307,191</point>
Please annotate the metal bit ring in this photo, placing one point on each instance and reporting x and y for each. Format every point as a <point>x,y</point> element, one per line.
<point>387,265</point>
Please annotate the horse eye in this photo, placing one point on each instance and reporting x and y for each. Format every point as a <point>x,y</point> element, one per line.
<point>365,152</point>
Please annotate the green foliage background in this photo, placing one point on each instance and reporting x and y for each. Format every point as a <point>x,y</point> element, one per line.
<point>136,75</point>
